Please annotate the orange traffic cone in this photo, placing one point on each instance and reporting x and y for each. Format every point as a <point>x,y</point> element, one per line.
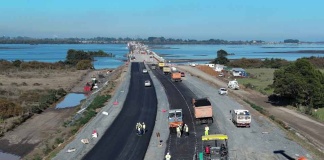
<point>116,102</point>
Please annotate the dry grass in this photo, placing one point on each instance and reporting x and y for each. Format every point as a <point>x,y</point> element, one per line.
<point>40,79</point>
<point>208,70</point>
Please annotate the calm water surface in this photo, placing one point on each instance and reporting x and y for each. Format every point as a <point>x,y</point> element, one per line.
<point>57,52</point>
<point>71,100</point>
<point>7,156</point>
<point>240,51</point>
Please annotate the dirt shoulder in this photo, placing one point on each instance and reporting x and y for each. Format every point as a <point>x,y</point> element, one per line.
<point>309,128</point>
<point>39,131</point>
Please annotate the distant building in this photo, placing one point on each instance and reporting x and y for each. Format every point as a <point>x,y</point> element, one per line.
<point>239,72</point>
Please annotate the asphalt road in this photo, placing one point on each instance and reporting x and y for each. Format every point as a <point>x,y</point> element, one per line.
<point>180,97</point>
<point>120,140</point>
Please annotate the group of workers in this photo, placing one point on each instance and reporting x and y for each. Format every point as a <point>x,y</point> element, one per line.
<point>140,128</point>
<point>179,130</point>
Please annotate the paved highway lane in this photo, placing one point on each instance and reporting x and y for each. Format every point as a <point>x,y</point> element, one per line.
<point>120,140</point>
<point>180,97</point>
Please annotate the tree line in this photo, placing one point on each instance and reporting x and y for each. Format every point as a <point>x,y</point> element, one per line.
<point>78,59</point>
<point>298,83</point>
<point>111,40</point>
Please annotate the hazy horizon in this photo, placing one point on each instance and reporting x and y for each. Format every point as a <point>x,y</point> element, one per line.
<point>201,20</point>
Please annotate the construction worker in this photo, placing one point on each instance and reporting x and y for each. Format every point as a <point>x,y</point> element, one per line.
<point>186,128</point>
<point>178,131</point>
<point>168,156</point>
<point>137,126</point>
<point>143,125</point>
<point>206,130</point>
<point>139,131</point>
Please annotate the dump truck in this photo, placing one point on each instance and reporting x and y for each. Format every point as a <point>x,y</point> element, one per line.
<point>233,85</point>
<point>241,117</point>
<point>161,65</point>
<point>203,110</point>
<point>176,76</point>
<point>175,119</point>
<point>166,70</point>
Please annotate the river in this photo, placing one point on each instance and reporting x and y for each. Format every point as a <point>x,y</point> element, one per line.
<point>58,52</point>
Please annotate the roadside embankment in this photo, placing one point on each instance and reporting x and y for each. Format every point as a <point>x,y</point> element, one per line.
<point>100,123</point>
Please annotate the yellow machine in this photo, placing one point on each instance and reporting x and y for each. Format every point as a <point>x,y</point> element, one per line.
<point>161,65</point>
<point>214,147</point>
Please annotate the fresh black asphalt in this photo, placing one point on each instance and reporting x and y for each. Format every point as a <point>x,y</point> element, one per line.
<point>120,141</point>
<point>180,97</point>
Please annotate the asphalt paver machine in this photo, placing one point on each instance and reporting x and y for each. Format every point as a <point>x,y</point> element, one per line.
<point>214,147</point>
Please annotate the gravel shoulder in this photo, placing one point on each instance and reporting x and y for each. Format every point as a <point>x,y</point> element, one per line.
<point>262,141</point>
<point>310,129</point>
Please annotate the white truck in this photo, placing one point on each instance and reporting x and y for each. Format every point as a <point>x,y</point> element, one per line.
<point>241,117</point>
<point>233,85</point>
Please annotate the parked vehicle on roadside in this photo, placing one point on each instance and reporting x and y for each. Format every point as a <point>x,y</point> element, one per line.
<point>144,70</point>
<point>222,91</point>
<point>233,85</point>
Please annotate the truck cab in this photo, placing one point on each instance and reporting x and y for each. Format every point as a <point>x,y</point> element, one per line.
<point>175,119</point>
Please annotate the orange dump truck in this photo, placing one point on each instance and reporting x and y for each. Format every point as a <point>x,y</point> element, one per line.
<point>203,110</point>
<point>176,76</point>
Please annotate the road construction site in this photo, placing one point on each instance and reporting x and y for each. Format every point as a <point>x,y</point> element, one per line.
<point>117,138</point>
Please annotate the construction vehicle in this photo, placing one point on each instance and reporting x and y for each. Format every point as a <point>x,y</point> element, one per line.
<point>203,110</point>
<point>175,119</point>
<point>233,85</point>
<point>214,147</point>
<point>166,70</point>
<point>176,76</point>
<point>241,117</point>
<point>153,66</point>
<point>161,65</point>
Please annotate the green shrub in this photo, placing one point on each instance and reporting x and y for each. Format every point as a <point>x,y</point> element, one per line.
<point>59,140</point>
<point>84,64</point>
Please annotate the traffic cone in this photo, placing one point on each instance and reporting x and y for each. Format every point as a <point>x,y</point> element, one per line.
<point>116,102</point>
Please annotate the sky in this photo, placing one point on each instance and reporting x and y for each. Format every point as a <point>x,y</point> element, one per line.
<point>273,20</point>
